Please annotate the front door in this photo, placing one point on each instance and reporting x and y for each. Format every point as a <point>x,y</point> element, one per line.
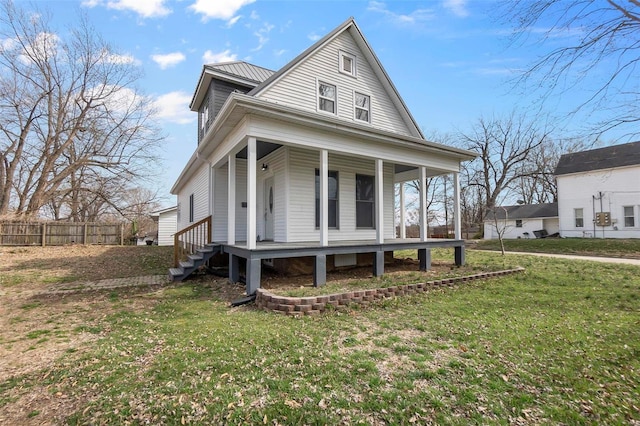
<point>268,208</point>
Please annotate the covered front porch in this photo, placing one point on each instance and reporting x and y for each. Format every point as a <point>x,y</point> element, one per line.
<point>265,250</point>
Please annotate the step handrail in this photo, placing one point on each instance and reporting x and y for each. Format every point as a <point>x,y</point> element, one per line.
<point>191,238</point>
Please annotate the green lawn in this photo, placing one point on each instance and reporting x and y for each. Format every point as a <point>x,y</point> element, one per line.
<point>581,246</point>
<point>558,344</point>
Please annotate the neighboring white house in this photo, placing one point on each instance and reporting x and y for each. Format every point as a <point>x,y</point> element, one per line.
<point>599,192</point>
<point>303,161</point>
<point>522,221</point>
<point>167,221</point>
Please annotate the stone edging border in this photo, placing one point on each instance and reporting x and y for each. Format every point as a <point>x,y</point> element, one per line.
<point>314,305</point>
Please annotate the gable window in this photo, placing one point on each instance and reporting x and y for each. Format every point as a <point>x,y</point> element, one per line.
<point>327,97</point>
<point>363,107</point>
<point>578,215</point>
<point>347,64</point>
<point>191,208</point>
<point>332,198</point>
<point>518,223</point>
<point>204,117</point>
<point>629,217</point>
<point>365,201</point>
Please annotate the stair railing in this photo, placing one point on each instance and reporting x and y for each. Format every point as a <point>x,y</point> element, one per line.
<point>191,238</point>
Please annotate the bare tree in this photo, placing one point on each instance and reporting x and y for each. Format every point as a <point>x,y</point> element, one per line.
<point>600,42</point>
<point>67,107</point>
<point>504,146</point>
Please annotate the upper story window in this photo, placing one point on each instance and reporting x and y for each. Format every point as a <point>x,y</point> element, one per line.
<point>204,117</point>
<point>347,64</point>
<point>326,97</point>
<point>518,223</point>
<point>362,107</point>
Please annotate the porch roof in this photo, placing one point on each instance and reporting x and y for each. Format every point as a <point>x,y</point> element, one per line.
<point>239,106</point>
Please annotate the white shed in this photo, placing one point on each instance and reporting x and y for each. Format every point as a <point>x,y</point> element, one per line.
<point>167,225</point>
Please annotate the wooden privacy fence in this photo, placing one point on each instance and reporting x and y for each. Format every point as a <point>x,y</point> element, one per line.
<point>60,233</point>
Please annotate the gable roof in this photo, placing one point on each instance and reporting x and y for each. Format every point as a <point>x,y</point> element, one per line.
<point>351,26</point>
<point>239,72</point>
<point>525,211</point>
<point>627,154</point>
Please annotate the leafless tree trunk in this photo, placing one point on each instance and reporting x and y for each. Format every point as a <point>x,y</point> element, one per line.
<point>600,43</point>
<point>504,147</point>
<point>67,107</point>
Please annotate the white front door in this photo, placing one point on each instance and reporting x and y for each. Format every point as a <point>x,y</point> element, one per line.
<point>269,198</point>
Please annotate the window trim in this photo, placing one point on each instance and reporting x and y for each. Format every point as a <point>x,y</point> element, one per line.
<point>632,217</point>
<point>319,97</point>
<point>204,116</point>
<point>580,217</point>
<point>337,200</point>
<point>354,68</point>
<point>356,108</point>
<point>518,223</point>
<point>372,202</point>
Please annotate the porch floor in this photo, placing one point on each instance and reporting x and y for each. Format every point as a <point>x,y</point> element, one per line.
<point>273,250</point>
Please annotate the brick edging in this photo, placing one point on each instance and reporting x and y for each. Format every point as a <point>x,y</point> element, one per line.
<point>314,305</point>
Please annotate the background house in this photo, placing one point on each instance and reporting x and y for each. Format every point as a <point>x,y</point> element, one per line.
<point>167,224</point>
<point>599,192</point>
<point>521,221</point>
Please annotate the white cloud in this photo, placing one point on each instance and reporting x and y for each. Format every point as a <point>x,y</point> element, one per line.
<point>144,8</point>
<point>218,9</point>
<point>174,107</point>
<point>314,37</point>
<point>44,46</point>
<point>231,22</point>
<point>415,17</point>
<point>262,34</point>
<point>457,7</point>
<point>210,58</point>
<point>280,52</point>
<point>168,60</point>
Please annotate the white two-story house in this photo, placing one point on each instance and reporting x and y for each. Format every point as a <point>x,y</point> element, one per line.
<point>303,161</point>
<point>599,192</point>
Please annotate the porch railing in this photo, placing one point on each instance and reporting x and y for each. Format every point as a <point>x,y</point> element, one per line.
<point>191,238</point>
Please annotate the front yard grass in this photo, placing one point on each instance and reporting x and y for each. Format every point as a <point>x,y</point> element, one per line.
<point>579,246</point>
<point>558,344</point>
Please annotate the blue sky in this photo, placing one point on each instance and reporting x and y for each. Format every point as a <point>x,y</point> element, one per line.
<point>449,59</point>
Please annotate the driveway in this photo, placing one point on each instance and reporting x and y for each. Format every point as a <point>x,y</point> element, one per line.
<point>573,256</point>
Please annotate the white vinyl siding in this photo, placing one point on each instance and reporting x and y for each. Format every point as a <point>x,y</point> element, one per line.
<point>302,196</point>
<point>167,222</point>
<point>198,185</point>
<point>298,88</point>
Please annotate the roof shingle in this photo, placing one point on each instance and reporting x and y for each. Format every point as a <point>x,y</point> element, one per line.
<point>627,154</point>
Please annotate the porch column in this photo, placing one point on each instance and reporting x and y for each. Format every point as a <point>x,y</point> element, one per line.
<point>231,199</point>
<point>457,225</point>
<point>423,203</point>
<point>403,212</point>
<point>251,194</point>
<point>379,201</point>
<point>324,197</point>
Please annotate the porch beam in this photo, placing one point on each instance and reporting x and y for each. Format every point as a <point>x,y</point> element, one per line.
<point>379,201</point>
<point>403,212</point>
<point>424,258</point>
<point>320,270</point>
<point>252,275</point>
<point>324,197</point>
<point>251,194</point>
<point>457,224</point>
<point>231,199</point>
<point>423,203</point>
<point>378,263</point>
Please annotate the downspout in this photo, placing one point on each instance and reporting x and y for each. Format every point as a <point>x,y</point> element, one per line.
<point>601,211</point>
<point>593,206</point>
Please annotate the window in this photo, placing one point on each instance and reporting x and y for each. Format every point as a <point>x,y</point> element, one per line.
<point>327,97</point>
<point>578,214</point>
<point>347,64</point>
<point>518,223</point>
<point>204,117</point>
<point>365,201</point>
<point>363,106</point>
<point>629,217</point>
<point>332,197</point>
<point>191,208</point>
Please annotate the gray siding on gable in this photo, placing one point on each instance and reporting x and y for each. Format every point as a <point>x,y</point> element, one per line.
<point>299,87</point>
<point>217,93</point>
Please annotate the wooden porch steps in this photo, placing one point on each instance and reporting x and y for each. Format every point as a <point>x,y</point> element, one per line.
<point>194,261</point>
